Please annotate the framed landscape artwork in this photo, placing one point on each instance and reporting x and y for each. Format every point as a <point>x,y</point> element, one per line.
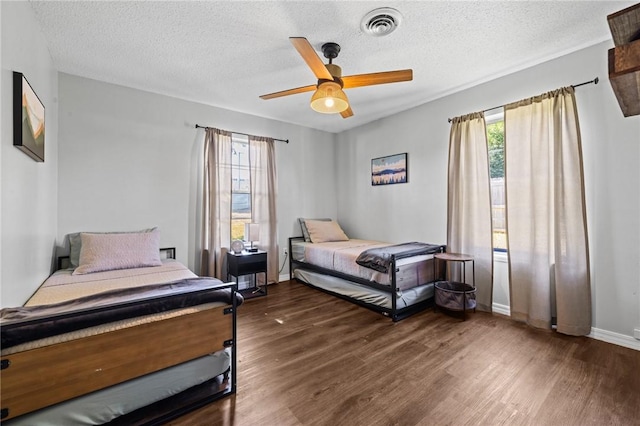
<point>389,170</point>
<point>28,119</point>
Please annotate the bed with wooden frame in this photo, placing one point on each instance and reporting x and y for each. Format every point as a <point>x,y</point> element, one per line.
<point>396,284</point>
<point>91,349</point>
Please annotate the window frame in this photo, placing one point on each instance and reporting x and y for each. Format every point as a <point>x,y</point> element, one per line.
<point>238,169</point>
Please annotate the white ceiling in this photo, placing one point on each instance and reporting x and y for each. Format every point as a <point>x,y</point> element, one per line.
<point>227,53</point>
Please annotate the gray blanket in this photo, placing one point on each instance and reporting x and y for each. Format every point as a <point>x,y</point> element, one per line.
<point>380,258</point>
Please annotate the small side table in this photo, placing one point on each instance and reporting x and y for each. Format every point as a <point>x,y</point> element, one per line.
<point>453,295</point>
<point>462,259</point>
<point>248,263</point>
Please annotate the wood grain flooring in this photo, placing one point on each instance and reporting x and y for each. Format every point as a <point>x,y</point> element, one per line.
<point>307,358</point>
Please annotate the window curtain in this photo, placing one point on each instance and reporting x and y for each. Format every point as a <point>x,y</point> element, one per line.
<point>546,218</point>
<point>469,202</point>
<point>262,166</point>
<point>216,202</point>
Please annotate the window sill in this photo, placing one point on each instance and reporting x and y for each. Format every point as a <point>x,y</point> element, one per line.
<point>500,256</point>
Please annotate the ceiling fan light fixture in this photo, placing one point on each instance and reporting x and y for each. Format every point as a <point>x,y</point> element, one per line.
<point>329,98</point>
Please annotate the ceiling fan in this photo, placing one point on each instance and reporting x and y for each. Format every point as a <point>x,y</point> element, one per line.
<point>329,97</point>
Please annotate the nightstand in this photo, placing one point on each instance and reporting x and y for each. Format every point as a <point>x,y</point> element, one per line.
<point>455,295</point>
<point>248,263</point>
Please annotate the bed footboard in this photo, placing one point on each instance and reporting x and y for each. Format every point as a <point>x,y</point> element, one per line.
<point>41,377</point>
<point>38,378</point>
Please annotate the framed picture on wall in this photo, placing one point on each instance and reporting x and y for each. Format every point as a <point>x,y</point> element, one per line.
<point>28,119</point>
<point>389,170</point>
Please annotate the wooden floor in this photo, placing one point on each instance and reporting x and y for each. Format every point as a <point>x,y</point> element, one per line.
<point>307,358</point>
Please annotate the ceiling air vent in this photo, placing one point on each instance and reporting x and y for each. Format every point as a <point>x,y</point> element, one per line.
<point>381,22</point>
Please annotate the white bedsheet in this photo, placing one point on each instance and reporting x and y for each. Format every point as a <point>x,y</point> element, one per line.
<point>341,256</point>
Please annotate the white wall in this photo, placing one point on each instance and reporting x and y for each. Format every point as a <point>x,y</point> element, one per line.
<point>417,210</point>
<point>131,159</point>
<point>28,190</point>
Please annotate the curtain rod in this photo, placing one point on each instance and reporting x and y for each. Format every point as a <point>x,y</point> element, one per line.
<point>239,133</point>
<point>594,81</point>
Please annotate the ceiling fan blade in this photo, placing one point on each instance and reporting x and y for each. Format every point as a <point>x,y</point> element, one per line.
<point>371,79</point>
<point>347,113</point>
<point>289,92</point>
<point>312,59</point>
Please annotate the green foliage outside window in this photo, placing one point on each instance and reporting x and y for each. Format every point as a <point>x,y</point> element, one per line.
<point>495,140</point>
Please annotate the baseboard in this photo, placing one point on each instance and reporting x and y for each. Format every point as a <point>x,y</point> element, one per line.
<point>615,338</point>
<point>596,333</point>
<point>282,278</point>
<point>501,309</point>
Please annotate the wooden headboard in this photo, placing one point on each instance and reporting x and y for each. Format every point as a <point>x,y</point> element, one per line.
<point>165,253</point>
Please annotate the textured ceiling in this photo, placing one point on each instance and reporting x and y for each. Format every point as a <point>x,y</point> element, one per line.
<point>227,53</point>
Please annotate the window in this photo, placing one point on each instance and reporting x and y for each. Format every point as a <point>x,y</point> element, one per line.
<point>495,141</point>
<point>240,186</point>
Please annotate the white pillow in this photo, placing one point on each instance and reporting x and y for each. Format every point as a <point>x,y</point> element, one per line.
<point>305,233</point>
<point>105,252</point>
<point>75,244</point>
<point>325,231</point>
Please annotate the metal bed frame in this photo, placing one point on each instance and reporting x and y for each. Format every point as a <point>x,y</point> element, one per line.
<point>395,313</point>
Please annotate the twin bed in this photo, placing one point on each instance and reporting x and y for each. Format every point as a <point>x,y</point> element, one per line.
<point>394,280</point>
<point>125,337</point>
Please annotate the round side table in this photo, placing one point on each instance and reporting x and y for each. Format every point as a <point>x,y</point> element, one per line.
<point>462,259</point>
<point>454,295</point>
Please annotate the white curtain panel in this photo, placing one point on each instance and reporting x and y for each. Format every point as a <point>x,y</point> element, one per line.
<point>262,165</point>
<point>546,218</point>
<point>216,202</point>
<point>469,202</point>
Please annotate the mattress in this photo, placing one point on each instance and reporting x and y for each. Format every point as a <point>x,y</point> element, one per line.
<point>104,405</point>
<point>340,256</point>
<point>363,293</point>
